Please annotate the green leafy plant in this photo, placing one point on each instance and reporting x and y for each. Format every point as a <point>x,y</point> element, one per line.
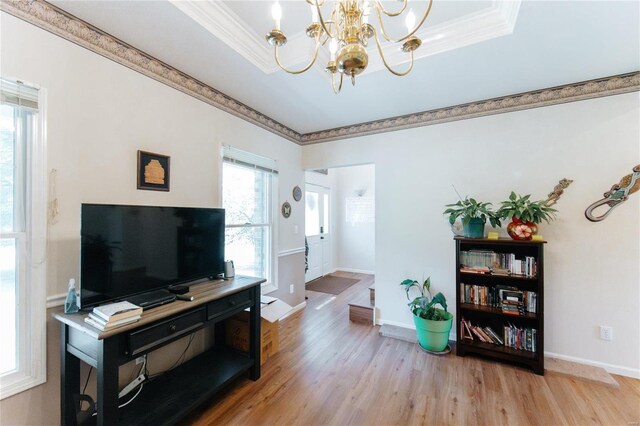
<point>469,209</point>
<point>424,305</point>
<point>521,207</point>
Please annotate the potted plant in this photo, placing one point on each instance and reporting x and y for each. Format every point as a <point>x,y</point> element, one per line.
<point>525,215</point>
<point>432,324</point>
<point>474,215</point>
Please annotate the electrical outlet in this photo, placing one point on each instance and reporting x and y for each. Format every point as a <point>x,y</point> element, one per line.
<point>295,229</point>
<point>139,360</point>
<point>291,289</point>
<point>606,333</point>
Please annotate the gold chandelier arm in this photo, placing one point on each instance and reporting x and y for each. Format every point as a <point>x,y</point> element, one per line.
<point>324,25</point>
<point>392,14</point>
<point>313,60</point>
<point>384,32</point>
<point>333,84</point>
<point>384,61</point>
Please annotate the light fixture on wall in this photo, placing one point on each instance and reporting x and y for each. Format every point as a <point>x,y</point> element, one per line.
<point>346,34</point>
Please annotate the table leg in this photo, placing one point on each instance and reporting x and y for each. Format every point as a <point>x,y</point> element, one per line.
<point>69,380</point>
<point>255,335</point>
<point>107,382</point>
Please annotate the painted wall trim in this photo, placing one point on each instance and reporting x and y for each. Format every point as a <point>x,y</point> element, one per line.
<point>355,271</point>
<point>291,251</point>
<point>56,300</point>
<point>61,23</point>
<point>295,309</point>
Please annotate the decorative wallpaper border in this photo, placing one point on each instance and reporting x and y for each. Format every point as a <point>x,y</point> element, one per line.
<point>539,98</point>
<point>67,26</point>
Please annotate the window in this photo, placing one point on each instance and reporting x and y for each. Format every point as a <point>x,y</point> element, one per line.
<point>249,185</point>
<point>22,238</point>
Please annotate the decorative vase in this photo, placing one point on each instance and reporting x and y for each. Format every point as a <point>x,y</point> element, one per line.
<point>474,229</point>
<point>433,335</point>
<point>519,230</point>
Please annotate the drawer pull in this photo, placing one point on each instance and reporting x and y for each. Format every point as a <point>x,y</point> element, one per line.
<point>172,328</point>
<point>232,302</point>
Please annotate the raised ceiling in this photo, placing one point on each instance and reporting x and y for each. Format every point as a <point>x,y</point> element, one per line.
<point>473,50</point>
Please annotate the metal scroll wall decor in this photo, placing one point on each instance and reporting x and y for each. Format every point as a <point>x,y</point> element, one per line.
<point>618,194</point>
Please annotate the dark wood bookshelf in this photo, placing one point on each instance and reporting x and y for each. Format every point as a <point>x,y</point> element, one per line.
<point>493,317</point>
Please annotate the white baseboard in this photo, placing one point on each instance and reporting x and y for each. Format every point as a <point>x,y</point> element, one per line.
<point>355,271</point>
<point>452,333</point>
<point>56,300</point>
<point>295,309</point>
<point>610,368</point>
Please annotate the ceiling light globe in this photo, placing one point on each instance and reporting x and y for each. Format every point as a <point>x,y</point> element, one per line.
<point>352,59</point>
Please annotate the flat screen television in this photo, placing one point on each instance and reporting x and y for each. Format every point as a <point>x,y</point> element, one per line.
<point>128,250</point>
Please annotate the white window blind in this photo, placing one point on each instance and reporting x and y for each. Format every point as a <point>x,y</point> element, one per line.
<point>17,94</point>
<point>248,159</point>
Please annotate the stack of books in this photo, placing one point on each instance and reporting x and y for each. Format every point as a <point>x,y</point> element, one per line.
<point>107,317</point>
<point>512,302</point>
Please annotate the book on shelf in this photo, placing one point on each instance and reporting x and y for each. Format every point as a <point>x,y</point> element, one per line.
<point>508,298</point>
<point>519,338</point>
<point>487,261</point>
<point>102,325</point>
<point>117,311</point>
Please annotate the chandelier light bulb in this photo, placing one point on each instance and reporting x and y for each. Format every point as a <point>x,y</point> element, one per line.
<point>410,20</point>
<point>366,9</point>
<point>333,48</point>
<point>314,13</point>
<point>276,14</point>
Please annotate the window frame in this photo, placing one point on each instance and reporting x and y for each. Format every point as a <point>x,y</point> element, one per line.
<point>271,283</point>
<point>31,315</point>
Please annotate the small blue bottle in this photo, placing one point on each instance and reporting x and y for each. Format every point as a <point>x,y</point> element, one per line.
<point>71,303</point>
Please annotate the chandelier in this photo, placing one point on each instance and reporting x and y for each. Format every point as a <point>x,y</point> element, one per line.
<point>347,33</point>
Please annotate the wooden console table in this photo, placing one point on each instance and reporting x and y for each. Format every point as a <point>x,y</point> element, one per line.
<point>169,397</point>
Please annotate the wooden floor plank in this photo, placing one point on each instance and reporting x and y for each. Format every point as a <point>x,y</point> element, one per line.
<point>331,371</point>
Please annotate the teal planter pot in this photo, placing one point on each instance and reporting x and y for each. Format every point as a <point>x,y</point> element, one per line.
<point>433,335</point>
<point>474,229</point>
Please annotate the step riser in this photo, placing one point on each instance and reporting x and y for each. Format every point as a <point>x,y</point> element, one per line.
<point>361,315</point>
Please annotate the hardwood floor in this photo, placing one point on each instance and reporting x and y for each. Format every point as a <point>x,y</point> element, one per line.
<point>334,372</point>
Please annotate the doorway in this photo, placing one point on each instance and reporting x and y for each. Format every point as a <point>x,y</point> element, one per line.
<point>318,230</point>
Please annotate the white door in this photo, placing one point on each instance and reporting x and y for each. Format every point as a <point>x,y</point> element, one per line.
<point>317,231</point>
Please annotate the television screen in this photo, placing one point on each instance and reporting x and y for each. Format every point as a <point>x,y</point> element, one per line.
<point>126,250</point>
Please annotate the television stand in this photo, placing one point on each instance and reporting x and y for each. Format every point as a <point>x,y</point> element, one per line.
<point>170,397</point>
<point>152,299</point>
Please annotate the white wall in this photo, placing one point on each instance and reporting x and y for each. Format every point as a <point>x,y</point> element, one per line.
<point>592,269</point>
<point>355,238</point>
<point>99,114</point>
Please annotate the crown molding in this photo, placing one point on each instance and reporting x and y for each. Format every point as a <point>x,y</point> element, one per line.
<point>218,19</point>
<point>597,88</point>
<point>57,21</point>
<point>496,20</point>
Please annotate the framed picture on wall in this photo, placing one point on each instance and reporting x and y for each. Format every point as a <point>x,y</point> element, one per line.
<point>153,171</point>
